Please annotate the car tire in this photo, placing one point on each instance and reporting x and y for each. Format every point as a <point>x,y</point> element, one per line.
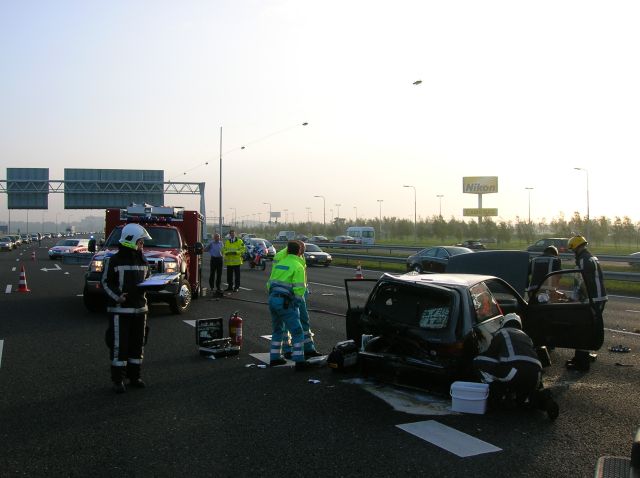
<point>181,301</point>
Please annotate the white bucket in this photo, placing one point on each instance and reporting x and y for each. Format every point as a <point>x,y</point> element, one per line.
<point>469,397</point>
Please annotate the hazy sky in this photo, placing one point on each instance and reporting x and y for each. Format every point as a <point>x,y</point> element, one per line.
<point>525,91</point>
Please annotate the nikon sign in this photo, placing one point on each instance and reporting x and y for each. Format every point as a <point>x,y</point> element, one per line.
<point>480,184</point>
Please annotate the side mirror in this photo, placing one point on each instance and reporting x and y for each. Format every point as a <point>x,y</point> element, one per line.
<point>198,248</point>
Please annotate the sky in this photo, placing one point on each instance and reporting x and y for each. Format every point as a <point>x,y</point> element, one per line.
<point>525,91</point>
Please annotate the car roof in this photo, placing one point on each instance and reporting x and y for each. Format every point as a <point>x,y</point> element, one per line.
<point>451,280</point>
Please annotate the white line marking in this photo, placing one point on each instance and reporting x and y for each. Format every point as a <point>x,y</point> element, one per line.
<point>327,285</point>
<point>8,289</point>
<point>634,311</point>
<point>1,347</point>
<point>244,288</point>
<point>622,332</point>
<point>79,295</point>
<point>449,438</point>
<point>268,337</point>
<point>13,269</point>
<point>192,323</point>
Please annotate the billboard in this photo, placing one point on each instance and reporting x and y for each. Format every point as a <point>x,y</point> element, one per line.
<point>480,184</point>
<point>480,212</point>
<point>27,188</point>
<point>105,188</point>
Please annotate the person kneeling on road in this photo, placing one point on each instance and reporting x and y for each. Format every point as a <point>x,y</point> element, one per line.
<point>286,288</point>
<point>511,368</point>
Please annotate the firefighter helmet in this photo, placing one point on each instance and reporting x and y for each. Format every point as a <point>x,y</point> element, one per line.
<point>131,234</point>
<point>512,320</point>
<point>575,242</point>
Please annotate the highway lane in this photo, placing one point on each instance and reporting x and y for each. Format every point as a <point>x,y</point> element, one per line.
<point>221,418</point>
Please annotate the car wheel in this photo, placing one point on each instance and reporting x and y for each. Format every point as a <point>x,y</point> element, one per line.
<point>417,268</point>
<point>180,302</point>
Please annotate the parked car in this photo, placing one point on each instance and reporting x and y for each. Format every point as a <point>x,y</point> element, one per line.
<point>433,325</point>
<point>434,259</point>
<point>318,239</point>
<point>301,237</point>
<point>16,239</point>
<point>7,244</point>
<point>313,255</point>
<point>344,240</point>
<point>559,242</point>
<point>635,265</point>
<point>66,246</point>
<point>25,238</point>
<point>257,242</point>
<point>473,244</point>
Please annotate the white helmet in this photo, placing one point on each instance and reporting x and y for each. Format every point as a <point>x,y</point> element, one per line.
<point>131,233</point>
<point>512,320</point>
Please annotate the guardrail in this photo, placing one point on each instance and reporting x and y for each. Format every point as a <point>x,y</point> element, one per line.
<point>82,258</point>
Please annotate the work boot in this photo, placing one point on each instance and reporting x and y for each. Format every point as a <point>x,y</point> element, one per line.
<point>312,353</point>
<point>137,383</point>
<point>552,409</point>
<point>119,387</point>
<point>276,362</point>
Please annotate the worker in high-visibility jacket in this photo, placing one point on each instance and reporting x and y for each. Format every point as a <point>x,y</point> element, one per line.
<point>286,287</point>
<point>233,251</point>
<point>309,344</point>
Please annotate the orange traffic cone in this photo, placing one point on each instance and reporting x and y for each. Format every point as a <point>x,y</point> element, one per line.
<point>22,284</point>
<point>359,274</point>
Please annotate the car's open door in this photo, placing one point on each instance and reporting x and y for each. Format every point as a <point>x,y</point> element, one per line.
<point>358,291</point>
<point>560,313</point>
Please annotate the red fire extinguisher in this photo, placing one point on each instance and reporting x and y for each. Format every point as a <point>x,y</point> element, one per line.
<point>235,329</point>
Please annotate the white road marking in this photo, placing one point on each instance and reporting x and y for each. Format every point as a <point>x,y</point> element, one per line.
<point>56,268</point>
<point>13,269</point>
<point>634,311</point>
<point>192,323</point>
<point>268,337</point>
<point>327,285</point>
<point>1,347</point>
<point>448,438</point>
<point>8,289</point>
<point>622,332</point>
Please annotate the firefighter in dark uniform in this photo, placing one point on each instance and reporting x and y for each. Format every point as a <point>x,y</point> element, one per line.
<point>511,368</point>
<point>542,265</point>
<point>127,305</point>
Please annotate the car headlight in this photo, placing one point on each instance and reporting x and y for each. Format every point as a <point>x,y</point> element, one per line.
<point>170,267</point>
<point>311,256</point>
<point>96,265</point>
<point>328,257</point>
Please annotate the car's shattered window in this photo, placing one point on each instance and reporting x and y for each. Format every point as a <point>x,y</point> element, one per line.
<point>484,303</point>
<point>418,307</point>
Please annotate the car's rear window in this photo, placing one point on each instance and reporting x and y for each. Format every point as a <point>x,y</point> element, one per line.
<point>415,306</point>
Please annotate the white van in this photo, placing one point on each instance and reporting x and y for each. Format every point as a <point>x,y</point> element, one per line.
<point>362,234</point>
<point>286,236</point>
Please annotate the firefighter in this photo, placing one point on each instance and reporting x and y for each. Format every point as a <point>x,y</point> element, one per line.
<point>309,344</point>
<point>594,282</point>
<point>233,251</point>
<point>511,368</point>
<point>542,265</point>
<point>286,287</point>
<point>127,305</point>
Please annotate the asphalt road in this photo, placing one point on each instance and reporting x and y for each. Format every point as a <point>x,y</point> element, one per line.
<point>200,417</point>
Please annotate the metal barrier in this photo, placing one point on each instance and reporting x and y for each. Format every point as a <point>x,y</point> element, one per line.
<point>82,258</point>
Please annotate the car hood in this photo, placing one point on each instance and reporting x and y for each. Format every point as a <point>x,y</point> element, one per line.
<point>511,266</point>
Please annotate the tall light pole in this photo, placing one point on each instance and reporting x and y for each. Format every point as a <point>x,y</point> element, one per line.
<point>269,210</point>
<point>529,191</point>
<point>380,213</point>
<point>356,209</point>
<point>588,217</point>
<point>338,211</point>
<point>324,216</point>
<point>235,220</point>
<point>57,222</point>
<point>308,214</point>
<point>286,216</point>
<point>440,196</point>
<point>415,213</point>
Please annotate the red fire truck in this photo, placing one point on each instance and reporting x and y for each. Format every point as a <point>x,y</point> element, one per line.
<point>175,248</point>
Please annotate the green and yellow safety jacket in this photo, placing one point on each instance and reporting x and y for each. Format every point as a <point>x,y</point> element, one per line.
<point>288,276</point>
<point>233,252</point>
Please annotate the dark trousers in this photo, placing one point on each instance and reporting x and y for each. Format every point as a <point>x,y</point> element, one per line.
<point>233,277</point>
<point>215,274</point>
<point>125,338</point>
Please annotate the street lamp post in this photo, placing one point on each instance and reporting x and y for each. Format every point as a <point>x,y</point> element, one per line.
<point>440,196</point>
<point>529,191</point>
<point>308,214</point>
<point>235,218</point>
<point>286,216</point>
<point>338,212</point>
<point>380,213</point>
<point>269,210</point>
<point>415,213</point>
<point>356,209</point>
<point>588,216</point>
<point>324,216</point>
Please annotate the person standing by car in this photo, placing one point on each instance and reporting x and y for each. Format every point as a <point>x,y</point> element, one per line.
<point>127,306</point>
<point>286,287</point>
<point>542,265</point>
<point>511,368</point>
<point>214,248</point>
<point>594,282</point>
<point>233,251</point>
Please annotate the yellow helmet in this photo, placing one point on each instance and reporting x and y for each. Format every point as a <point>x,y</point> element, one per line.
<point>575,242</point>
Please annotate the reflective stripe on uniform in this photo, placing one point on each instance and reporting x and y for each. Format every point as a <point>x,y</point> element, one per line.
<point>116,342</point>
<point>127,310</point>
